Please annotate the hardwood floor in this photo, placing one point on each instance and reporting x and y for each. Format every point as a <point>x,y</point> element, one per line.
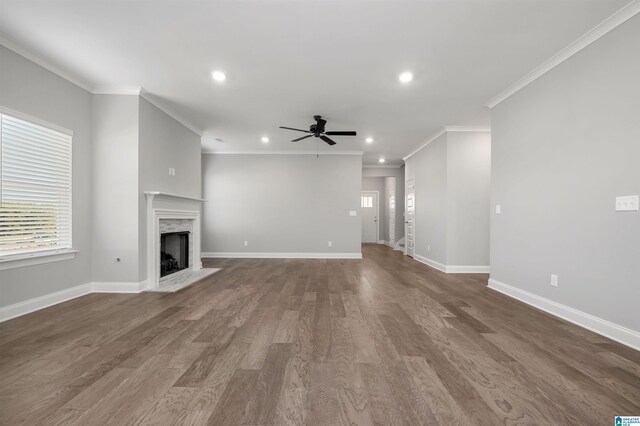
<point>383,341</point>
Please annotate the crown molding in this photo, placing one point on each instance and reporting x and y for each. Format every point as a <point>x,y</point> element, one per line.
<point>386,166</point>
<point>117,90</point>
<point>467,129</point>
<point>282,152</point>
<point>447,129</point>
<point>430,139</point>
<point>164,108</point>
<point>25,53</point>
<point>592,35</point>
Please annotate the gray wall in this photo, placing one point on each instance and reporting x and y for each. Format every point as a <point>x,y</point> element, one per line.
<point>164,143</point>
<point>452,176</point>
<point>468,197</point>
<point>398,173</point>
<point>281,203</point>
<point>377,184</point>
<point>115,188</point>
<point>30,89</point>
<point>563,148</point>
<point>429,169</point>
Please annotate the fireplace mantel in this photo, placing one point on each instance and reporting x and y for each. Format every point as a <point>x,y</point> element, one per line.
<point>162,205</point>
<point>152,194</point>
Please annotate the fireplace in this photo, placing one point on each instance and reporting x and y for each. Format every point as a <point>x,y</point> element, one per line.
<point>174,252</point>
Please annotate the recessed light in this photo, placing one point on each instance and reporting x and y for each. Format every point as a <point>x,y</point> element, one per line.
<point>405,77</point>
<point>264,139</point>
<point>218,76</point>
<point>368,140</point>
<point>381,160</point>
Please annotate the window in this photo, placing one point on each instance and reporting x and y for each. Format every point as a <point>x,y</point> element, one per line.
<point>35,187</point>
<point>366,201</point>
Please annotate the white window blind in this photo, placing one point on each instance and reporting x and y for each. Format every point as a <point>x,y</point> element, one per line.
<point>35,187</point>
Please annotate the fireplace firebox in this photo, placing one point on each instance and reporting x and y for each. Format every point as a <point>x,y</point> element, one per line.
<point>174,252</point>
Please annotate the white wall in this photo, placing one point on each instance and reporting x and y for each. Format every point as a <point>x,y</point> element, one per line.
<point>281,203</point>
<point>164,143</point>
<point>398,173</point>
<point>468,197</point>
<point>429,169</point>
<point>452,180</point>
<point>115,188</point>
<point>563,148</point>
<point>30,89</point>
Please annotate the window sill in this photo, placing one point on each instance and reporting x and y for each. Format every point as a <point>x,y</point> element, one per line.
<point>35,258</point>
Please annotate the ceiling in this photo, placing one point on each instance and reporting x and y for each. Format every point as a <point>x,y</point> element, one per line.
<point>288,60</point>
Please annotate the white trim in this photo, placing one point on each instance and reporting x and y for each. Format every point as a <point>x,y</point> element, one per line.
<point>603,327</point>
<point>118,287</point>
<point>35,120</point>
<point>447,129</point>
<point>282,152</point>
<point>467,129</point>
<point>117,90</point>
<point>155,101</point>
<point>32,305</point>
<point>429,262</point>
<point>36,258</point>
<point>585,40</point>
<point>20,50</point>
<point>386,166</point>
<point>246,255</point>
<point>452,269</point>
<point>383,242</point>
<point>169,195</point>
<point>425,143</point>
<point>468,269</point>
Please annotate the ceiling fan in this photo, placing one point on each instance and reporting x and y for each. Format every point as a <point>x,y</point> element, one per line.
<point>317,130</point>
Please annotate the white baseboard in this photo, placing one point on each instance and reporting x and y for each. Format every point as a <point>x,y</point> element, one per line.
<point>382,242</point>
<point>31,305</point>
<point>437,265</point>
<point>452,269</point>
<point>243,255</point>
<point>605,328</point>
<point>118,287</point>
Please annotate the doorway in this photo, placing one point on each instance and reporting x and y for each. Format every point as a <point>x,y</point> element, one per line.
<point>410,218</point>
<point>370,214</point>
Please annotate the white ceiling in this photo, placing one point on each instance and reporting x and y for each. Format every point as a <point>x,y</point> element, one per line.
<point>288,60</point>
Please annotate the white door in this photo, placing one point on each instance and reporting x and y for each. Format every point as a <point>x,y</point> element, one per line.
<point>391,208</point>
<point>410,218</point>
<point>369,207</point>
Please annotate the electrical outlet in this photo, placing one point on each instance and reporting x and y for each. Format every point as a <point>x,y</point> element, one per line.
<point>428,248</point>
<point>330,244</point>
<point>246,243</point>
<point>172,171</point>
<point>554,280</point>
<point>498,209</point>
<point>627,203</point>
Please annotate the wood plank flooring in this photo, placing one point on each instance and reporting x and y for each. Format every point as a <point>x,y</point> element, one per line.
<point>382,341</point>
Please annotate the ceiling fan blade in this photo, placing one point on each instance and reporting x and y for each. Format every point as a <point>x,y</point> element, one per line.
<point>327,140</point>
<point>297,130</point>
<point>341,133</point>
<point>299,139</point>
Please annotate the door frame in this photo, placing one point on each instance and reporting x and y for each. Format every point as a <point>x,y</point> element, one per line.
<point>377,215</point>
<point>408,182</point>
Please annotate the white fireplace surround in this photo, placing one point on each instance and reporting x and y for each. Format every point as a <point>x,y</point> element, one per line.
<point>162,206</point>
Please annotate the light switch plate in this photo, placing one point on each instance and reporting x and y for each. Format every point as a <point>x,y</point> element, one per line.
<point>498,209</point>
<point>352,213</point>
<point>172,171</point>
<point>627,203</point>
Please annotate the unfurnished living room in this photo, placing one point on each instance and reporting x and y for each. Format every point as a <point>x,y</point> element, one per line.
<point>319,212</point>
